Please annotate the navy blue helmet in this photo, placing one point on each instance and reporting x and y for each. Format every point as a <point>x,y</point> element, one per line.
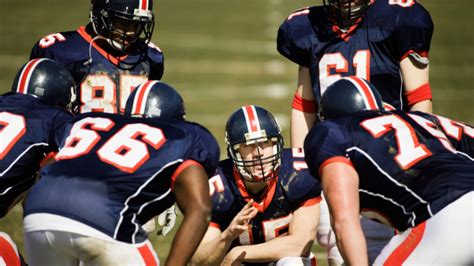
<point>347,96</point>
<point>155,99</point>
<point>110,18</point>
<point>251,125</point>
<point>346,13</point>
<point>49,81</point>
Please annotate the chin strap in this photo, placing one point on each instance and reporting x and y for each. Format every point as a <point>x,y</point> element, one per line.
<point>97,37</point>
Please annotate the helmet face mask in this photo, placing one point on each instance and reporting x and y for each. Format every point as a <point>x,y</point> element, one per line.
<point>255,150</point>
<point>49,81</point>
<point>346,13</point>
<point>126,25</point>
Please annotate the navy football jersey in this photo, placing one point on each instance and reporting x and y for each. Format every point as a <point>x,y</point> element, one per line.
<point>104,82</point>
<point>408,171</point>
<point>372,50</point>
<point>459,134</point>
<point>114,173</point>
<point>29,130</point>
<point>294,187</point>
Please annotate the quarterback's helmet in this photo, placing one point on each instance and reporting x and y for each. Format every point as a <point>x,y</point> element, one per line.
<point>252,125</point>
<point>155,99</point>
<point>346,12</point>
<point>347,96</point>
<point>49,81</point>
<point>124,23</point>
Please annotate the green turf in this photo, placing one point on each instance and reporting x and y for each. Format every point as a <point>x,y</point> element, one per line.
<point>221,55</point>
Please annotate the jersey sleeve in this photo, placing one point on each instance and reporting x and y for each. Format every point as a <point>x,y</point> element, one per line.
<point>292,38</point>
<point>413,31</point>
<point>38,52</point>
<point>58,129</point>
<point>205,149</point>
<point>157,62</point>
<point>325,141</point>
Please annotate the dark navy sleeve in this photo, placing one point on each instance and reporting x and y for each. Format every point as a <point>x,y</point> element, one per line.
<point>293,40</point>
<point>58,129</point>
<point>222,198</point>
<point>38,52</point>
<point>413,30</point>
<point>299,186</point>
<point>157,62</point>
<point>205,149</point>
<point>326,140</point>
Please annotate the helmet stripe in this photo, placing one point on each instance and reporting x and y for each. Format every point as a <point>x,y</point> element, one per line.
<point>139,103</point>
<point>251,118</point>
<point>24,79</point>
<point>144,5</point>
<point>365,91</point>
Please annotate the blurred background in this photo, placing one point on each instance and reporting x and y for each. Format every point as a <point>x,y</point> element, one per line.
<point>222,54</point>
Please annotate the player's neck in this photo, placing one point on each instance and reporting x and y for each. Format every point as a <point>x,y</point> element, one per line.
<point>103,43</point>
<point>255,188</point>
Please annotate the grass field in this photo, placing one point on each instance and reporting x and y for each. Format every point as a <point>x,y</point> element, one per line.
<point>221,55</point>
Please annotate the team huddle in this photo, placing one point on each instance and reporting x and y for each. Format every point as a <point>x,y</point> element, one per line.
<point>95,147</point>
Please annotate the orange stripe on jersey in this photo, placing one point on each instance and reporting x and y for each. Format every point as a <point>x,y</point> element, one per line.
<point>312,202</point>
<point>88,38</point>
<point>181,168</point>
<point>147,256</point>
<point>336,159</point>
<point>8,253</point>
<point>402,252</point>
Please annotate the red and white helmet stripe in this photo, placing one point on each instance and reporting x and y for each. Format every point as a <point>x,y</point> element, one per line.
<point>144,5</point>
<point>24,79</point>
<point>251,119</point>
<point>139,101</point>
<point>364,89</point>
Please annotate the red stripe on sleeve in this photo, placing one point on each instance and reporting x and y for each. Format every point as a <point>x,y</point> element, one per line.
<point>336,159</point>
<point>181,168</point>
<point>215,225</point>
<point>305,106</point>
<point>419,94</point>
<point>311,202</point>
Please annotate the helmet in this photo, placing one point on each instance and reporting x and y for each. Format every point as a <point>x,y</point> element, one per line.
<point>155,99</point>
<point>347,96</point>
<point>346,12</point>
<point>112,19</point>
<point>49,81</point>
<point>251,125</point>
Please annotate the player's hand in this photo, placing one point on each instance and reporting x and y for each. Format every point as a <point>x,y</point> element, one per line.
<point>240,222</point>
<point>167,220</point>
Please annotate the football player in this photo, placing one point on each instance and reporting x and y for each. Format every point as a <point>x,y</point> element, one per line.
<point>112,174</point>
<point>265,203</point>
<point>42,96</point>
<point>110,56</point>
<point>385,41</point>
<point>396,168</point>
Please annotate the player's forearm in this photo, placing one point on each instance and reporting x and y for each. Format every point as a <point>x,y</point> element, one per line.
<point>277,248</point>
<point>351,242</point>
<point>423,106</point>
<point>189,235</point>
<point>212,252</point>
<point>300,125</point>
